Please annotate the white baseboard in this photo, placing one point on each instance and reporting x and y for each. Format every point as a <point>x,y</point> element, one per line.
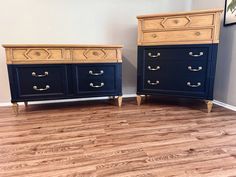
<point>67,100</point>
<point>233,108</point>
<point>105,98</point>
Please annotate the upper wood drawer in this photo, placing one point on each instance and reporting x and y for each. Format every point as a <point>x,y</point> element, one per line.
<point>178,22</point>
<point>173,27</point>
<point>95,54</point>
<point>31,54</point>
<point>34,54</point>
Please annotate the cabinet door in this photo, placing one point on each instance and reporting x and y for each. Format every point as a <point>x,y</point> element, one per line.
<point>98,79</point>
<point>38,82</point>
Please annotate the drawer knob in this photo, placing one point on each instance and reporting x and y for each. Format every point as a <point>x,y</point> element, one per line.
<point>41,89</point>
<point>197,33</point>
<point>176,21</point>
<point>154,69</point>
<point>190,85</point>
<point>196,55</point>
<point>40,75</point>
<point>154,35</point>
<point>96,74</point>
<point>96,86</point>
<point>154,56</point>
<point>95,53</point>
<point>194,69</point>
<point>153,83</point>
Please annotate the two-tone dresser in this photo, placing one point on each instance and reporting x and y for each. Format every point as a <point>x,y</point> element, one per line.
<point>51,72</point>
<point>177,54</point>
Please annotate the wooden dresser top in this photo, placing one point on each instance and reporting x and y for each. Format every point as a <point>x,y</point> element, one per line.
<point>196,27</point>
<point>60,45</point>
<point>62,53</point>
<point>181,13</point>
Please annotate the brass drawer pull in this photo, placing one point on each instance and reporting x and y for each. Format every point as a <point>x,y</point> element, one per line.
<point>153,83</point>
<point>190,85</point>
<point>196,55</point>
<point>41,89</point>
<point>96,86</point>
<point>40,75</point>
<point>96,74</point>
<point>154,69</point>
<point>154,56</point>
<point>195,70</point>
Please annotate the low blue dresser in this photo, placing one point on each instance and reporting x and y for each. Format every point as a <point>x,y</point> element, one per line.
<point>177,55</point>
<point>52,72</point>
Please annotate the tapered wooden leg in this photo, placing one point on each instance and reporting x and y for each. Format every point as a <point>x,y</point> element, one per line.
<point>209,106</point>
<point>15,108</point>
<point>119,101</point>
<point>26,104</point>
<point>139,100</point>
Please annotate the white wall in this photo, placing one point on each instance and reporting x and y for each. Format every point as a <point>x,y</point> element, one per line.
<point>78,21</point>
<point>225,83</point>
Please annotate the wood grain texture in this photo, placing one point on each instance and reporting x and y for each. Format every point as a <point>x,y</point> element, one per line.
<point>178,28</point>
<point>87,139</point>
<point>49,54</point>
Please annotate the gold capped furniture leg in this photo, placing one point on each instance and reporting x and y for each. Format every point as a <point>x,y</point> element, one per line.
<point>15,108</point>
<point>26,104</point>
<point>209,105</point>
<point>119,101</point>
<point>139,100</point>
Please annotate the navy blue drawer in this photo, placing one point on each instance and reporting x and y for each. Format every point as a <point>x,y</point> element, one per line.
<point>98,79</point>
<point>155,54</point>
<point>40,80</point>
<point>191,85</point>
<point>176,69</point>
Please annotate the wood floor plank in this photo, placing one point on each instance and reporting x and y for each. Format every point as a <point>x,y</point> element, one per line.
<point>161,138</point>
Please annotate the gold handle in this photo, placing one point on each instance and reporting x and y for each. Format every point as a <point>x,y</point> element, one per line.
<point>195,70</point>
<point>41,89</point>
<point>153,83</point>
<point>154,69</point>
<point>154,56</point>
<point>40,75</point>
<point>96,86</point>
<point>196,55</point>
<point>190,85</point>
<point>96,74</point>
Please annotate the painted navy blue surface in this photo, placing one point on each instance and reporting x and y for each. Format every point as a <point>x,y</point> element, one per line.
<point>66,81</point>
<point>174,74</point>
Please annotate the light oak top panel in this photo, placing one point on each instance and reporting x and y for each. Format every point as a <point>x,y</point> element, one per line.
<point>196,27</point>
<point>180,13</point>
<point>62,53</point>
<point>60,45</point>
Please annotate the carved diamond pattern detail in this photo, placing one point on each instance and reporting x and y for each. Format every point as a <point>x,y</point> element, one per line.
<point>175,22</point>
<point>37,54</point>
<point>95,53</point>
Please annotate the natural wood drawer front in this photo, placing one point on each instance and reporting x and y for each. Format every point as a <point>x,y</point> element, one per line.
<point>178,22</point>
<point>175,36</point>
<point>31,54</point>
<point>38,54</point>
<point>94,54</point>
<point>179,28</point>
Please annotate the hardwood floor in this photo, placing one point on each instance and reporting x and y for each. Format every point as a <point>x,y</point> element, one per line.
<point>96,138</point>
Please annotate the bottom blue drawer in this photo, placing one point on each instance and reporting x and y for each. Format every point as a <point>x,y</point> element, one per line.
<point>98,79</point>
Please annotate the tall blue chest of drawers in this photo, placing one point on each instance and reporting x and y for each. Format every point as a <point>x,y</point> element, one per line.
<point>177,54</point>
<point>51,72</point>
